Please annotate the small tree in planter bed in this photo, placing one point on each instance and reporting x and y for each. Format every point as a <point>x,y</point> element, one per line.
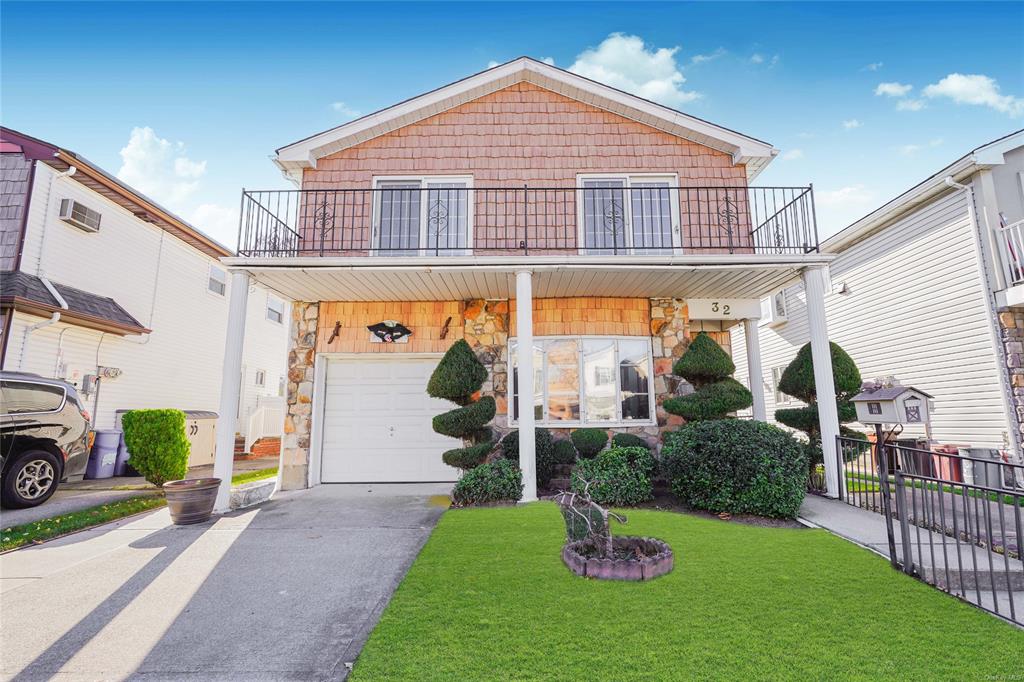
<point>798,381</point>
<point>458,378</point>
<point>157,443</point>
<point>709,370</point>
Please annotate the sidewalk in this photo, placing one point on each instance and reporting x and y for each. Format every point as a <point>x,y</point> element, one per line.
<point>970,572</point>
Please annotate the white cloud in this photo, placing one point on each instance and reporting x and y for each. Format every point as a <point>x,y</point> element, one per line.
<point>976,89</point>
<point>159,168</point>
<point>703,58</point>
<point>217,221</point>
<point>893,89</point>
<point>757,58</point>
<point>910,149</point>
<point>851,196</point>
<point>793,155</point>
<point>624,62</point>
<point>852,123</point>
<point>911,105</point>
<point>345,110</point>
<point>874,66</point>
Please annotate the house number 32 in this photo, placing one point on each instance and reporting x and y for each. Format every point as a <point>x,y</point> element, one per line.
<point>716,307</point>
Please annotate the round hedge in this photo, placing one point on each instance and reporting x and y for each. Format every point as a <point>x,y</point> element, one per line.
<point>467,458</point>
<point>497,481</point>
<point>618,477</point>
<point>544,453</point>
<point>711,401</point>
<point>466,421</point>
<point>564,452</point>
<point>589,442</point>
<point>628,440</point>
<point>704,362</point>
<point>736,466</point>
<point>797,379</point>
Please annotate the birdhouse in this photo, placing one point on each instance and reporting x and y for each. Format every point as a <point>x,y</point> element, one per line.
<point>892,405</point>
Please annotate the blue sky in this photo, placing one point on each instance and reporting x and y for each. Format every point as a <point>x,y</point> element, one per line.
<point>187,101</point>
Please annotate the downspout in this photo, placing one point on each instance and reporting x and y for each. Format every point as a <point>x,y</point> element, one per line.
<point>54,318</point>
<point>1013,430</point>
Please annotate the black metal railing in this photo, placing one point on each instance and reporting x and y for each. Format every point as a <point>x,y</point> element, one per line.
<point>601,218</point>
<point>955,521</point>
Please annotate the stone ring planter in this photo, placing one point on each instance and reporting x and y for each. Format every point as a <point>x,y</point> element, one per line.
<point>191,500</point>
<point>657,560</point>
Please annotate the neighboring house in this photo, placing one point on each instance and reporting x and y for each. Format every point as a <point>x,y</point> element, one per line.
<point>98,280</point>
<point>522,207</point>
<point>928,289</point>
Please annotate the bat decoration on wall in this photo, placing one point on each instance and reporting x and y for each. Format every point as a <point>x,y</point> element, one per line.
<point>389,331</point>
<point>444,328</point>
<point>334,334</point>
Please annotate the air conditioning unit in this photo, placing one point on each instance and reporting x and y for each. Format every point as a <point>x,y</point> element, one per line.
<point>82,217</point>
<point>773,309</point>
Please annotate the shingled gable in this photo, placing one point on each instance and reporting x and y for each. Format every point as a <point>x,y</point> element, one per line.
<point>754,154</point>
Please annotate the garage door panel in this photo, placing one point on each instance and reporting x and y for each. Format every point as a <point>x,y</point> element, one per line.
<point>377,422</point>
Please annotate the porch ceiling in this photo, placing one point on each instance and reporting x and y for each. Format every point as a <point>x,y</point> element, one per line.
<point>446,279</point>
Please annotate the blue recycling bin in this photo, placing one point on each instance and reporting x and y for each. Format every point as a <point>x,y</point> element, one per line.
<point>103,458</point>
<point>121,465</point>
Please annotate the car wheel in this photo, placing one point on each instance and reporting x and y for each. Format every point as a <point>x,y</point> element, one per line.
<point>30,480</point>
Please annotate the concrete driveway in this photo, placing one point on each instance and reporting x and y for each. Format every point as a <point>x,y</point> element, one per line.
<point>288,590</point>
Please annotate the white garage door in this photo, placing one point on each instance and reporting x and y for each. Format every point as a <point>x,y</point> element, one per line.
<point>376,425</point>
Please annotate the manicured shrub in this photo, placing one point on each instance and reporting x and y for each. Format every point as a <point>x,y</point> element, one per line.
<point>458,377</point>
<point>628,440</point>
<point>565,452</point>
<point>497,481</point>
<point>619,476</point>
<point>709,370</point>
<point>736,466</point>
<point>544,450</point>
<point>798,381</point>
<point>157,443</point>
<point>589,442</point>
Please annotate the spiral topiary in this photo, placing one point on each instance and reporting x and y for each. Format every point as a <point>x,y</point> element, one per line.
<point>709,370</point>
<point>457,378</point>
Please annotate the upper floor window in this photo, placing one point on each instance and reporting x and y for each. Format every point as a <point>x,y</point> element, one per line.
<point>780,397</point>
<point>630,214</point>
<point>218,281</point>
<point>261,377</point>
<point>275,309</point>
<point>588,380</point>
<point>422,216</point>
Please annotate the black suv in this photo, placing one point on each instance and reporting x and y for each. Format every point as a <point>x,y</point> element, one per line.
<point>44,438</point>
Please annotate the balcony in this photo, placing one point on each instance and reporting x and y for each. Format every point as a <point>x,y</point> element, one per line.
<point>600,218</point>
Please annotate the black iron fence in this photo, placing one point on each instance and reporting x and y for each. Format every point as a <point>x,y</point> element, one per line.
<point>953,520</point>
<point>400,218</point>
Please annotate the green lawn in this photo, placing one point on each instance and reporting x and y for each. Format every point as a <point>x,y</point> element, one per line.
<point>255,475</point>
<point>55,526</point>
<point>488,598</point>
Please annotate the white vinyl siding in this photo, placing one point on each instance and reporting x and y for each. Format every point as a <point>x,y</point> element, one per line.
<point>916,311</point>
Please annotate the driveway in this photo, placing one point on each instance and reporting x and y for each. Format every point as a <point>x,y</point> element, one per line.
<point>288,590</point>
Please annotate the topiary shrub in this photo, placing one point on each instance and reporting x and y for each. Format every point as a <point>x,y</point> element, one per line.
<point>589,442</point>
<point>709,370</point>
<point>798,381</point>
<point>544,450</point>
<point>736,466</point>
<point>619,476</point>
<point>157,443</point>
<point>458,377</point>
<point>564,451</point>
<point>628,440</point>
<point>497,481</point>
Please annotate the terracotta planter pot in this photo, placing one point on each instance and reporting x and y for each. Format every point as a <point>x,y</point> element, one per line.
<point>191,500</point>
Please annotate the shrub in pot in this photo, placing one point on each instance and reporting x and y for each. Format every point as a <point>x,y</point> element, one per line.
<point>589,442</point>
<point>619,476</point>
<point>544,450</point>
<point>736,466</point>
<point>157,443</point>
<point>457,378</point>
<point>497,481</point>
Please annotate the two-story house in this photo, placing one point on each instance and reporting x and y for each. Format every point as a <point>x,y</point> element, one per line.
<point>928,289</point>
<point>570,232</point>
<point>103,287</point>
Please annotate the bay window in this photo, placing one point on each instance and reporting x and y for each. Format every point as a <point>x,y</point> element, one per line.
<point>587,380</point>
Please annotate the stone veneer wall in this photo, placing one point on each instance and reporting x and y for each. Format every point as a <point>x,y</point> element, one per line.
<point>299,404</point>
<point>1011,328</point>
<point>486,325</point>
<point>670,337</point>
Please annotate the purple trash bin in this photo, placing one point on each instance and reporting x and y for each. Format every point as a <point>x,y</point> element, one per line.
<point>121,464</point>
<point>103,458</point>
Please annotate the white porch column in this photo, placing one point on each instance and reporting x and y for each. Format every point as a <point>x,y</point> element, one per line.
<point>824,388</point>
<point>524,362</point>
<point>230,388</point>
<point>753,339</point>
